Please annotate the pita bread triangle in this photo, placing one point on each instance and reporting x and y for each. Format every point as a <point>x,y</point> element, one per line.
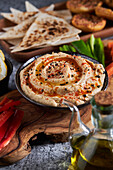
<point>14,41</point>
<point>19,30</point>
<point>65,14</point>
<point>66,40</point>
<point>46,29</point>
<point>9,16</point>
<point>30,7</point>
<point>50,8</point>
<point>17,17</point>
<point>7,28</point>
<point>13,10</point>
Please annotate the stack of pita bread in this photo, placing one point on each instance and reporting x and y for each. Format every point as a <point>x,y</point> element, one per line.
<point>37,29</point>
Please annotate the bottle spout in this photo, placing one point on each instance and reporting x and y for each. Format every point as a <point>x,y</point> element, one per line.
<point>74,109</point>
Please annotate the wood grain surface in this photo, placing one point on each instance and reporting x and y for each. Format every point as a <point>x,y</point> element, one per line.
<point>52,122</point>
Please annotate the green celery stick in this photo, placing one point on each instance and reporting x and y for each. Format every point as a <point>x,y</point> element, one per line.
<point>92,42</point>
<point>81,47</point>
<point>88,46</point>
<point>99,51</point>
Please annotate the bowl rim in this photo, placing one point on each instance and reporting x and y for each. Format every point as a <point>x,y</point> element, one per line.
<point>9,65</point>
<point>17,80</point>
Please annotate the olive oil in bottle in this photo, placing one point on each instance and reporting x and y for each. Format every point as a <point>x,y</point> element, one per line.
<point>95,154</point>
<point>93,148</point>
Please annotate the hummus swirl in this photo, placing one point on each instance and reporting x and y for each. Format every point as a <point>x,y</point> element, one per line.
<point>53,77</point>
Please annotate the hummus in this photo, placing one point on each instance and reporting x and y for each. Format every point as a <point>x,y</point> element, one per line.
<point>53,77</point>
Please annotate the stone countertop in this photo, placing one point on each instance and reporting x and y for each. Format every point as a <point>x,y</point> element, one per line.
<point>46,156</point>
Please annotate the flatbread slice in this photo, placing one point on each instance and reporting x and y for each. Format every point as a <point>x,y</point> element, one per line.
<point>30,7</point>
<point>19,30</point>
<point>14,42</point>
<point>66,40</point>
<point>45,29</point>
<point>50,8</point>
<point>9,16</point>
<point>13,10</point>
<point>17,17</point>
<point>7,28</point>
<point>62,41</point>
<point>65,14</point>
<point>1,33</point>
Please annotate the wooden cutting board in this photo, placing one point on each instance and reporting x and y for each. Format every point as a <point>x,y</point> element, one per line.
<point>54,123</point>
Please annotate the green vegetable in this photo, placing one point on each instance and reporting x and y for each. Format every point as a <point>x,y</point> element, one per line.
<point>61,49</point>
<point>91,43</point>
<point>72,48</point>
<point>81,47</point>
<point>88,46</point>
<point>99,51</point>
<point>93,48</point>
<point>67,48</point>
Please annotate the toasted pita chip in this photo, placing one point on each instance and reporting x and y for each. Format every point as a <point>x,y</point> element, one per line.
<point>14,41</point>
<point>45,29</point>
<point>30,7</point>
<point>18,17</point>
<point>66,40</point>
<point>1,33</point>
<point>9,16</point>
<point>13,47</point>
<point>50,8</point>
<point>19,30</point>
<point>13,10</point>
<point>65,14</point>
<point>7,28</point>
<point>63,41</point>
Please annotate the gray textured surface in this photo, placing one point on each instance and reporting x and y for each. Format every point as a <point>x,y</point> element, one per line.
<point>45,156</point>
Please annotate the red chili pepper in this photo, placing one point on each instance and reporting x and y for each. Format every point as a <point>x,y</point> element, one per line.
<point>9,105</point>
<point>15,121</point>
<point>4,100</point>
<point>8,101</point>
<point>83,63</point>
<point>3,129</point>
<point>4,116</point>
